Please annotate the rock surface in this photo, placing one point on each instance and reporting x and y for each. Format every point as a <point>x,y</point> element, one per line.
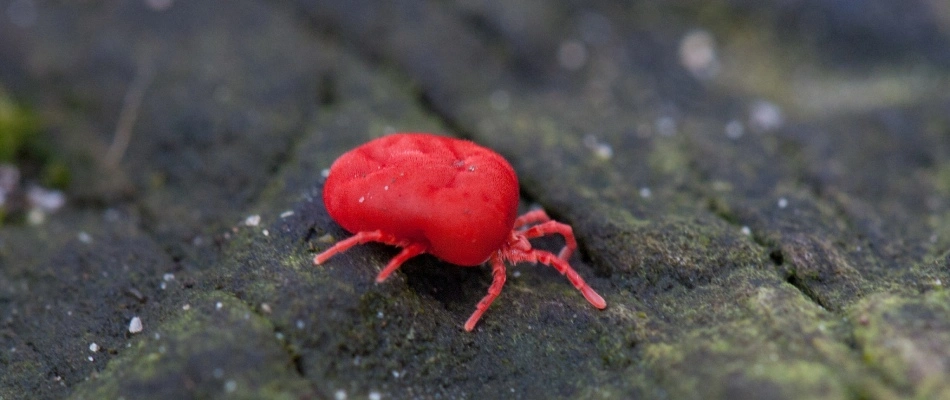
<point>761,193</point>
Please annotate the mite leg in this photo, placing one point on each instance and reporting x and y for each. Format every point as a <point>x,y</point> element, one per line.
<point>543,257</point>
<point>550,227</point>
<point>531,217</point>
<point>358,238</point>
<point>498,280</point>
<point>408,252</point>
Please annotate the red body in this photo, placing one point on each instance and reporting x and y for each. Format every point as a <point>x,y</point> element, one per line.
<point>457,198</point>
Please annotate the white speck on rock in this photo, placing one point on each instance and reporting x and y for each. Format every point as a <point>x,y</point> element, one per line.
<point>93,347</point>
<point>697,54</point>
<point>159,5</point>
<point>253,220</point>
<point>45,199</point>
<point>746,231</point>
<point>645,192</point>
<point>135,325</point>
<point>782,202</point>
<point>84,237</point>
<point>286,214</point>
<point>665,126</point>
<point>340,395</point>
<point>765,116</point>
<point>218,305</point>
<point>35,216</point>
<point>601,150</point>
<point>734,129</point>
<point>375,396</point>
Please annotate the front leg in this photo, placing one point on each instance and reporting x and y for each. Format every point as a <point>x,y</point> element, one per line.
<point>358,238</point>
<point>498,281</point>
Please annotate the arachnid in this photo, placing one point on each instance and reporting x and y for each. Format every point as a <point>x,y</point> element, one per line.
<point>447,197</point>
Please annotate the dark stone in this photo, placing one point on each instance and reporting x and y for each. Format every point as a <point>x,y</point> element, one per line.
<point>769,223</point>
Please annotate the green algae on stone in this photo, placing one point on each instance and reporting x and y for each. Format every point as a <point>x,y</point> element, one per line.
<point>907,340</point>
<point>18,129</point>
<point>739,360</point>
<point>22,145</point>
<point>217,347</point>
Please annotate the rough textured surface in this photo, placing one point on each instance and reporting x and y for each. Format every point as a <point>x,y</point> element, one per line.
<point>761,192</point>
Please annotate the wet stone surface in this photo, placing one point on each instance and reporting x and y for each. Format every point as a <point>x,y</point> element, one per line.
<point>761,193</point>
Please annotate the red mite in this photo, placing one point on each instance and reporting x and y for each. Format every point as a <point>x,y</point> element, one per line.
<point>447,197</point>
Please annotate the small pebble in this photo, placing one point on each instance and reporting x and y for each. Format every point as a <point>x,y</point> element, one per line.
<point>45,199</point>
<point>765,116</point>
<point>84,237</point>
<point>253,220</point>
<point>698,54</point>
<point>734,130</point>
<point>135,325</point>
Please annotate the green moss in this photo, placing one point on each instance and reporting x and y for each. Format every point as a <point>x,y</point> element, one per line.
<point>668,157</point>
<point>21,143</point>
<point>19,128</point>
<point>733,361</point>
<point>56,175</point>
<point>905,340</point>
